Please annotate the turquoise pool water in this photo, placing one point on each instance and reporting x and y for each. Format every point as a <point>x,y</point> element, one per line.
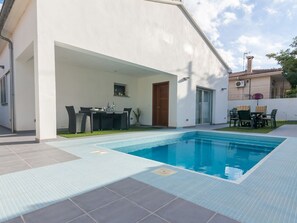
<point>227,156</point>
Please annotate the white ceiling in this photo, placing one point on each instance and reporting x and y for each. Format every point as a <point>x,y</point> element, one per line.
<point>101,62</point>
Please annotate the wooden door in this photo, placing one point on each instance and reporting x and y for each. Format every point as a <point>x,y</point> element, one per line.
<point>160,103</point>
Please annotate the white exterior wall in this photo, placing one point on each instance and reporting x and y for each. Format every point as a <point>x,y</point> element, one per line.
<point>145,33</point>
<point>150,34</point>
<point>23,36</point>
<point>5,109</point>
<point>83,87</point>
<point>286,107</point>
<point>145,99</point>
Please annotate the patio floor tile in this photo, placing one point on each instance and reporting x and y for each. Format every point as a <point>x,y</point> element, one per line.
<point>126,186</point>
<point>222,219</point>
<point>153,219</point>
<point>61,212</point>
<point>119,212</point>
<point>15,220</point>
<point>180,211</point>
<point>83,219</point>
<point>143,198</point>
<point>94,199</point>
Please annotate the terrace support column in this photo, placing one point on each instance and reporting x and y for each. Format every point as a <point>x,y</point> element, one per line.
<point>45,89</point>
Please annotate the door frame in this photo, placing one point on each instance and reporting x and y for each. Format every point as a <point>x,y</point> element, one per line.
<point>154,118</point>
<point>211,91</point>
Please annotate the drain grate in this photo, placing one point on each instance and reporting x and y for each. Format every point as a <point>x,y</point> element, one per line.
<point>164,172</point>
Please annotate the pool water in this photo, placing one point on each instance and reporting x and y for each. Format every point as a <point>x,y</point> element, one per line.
<point>223,155</point>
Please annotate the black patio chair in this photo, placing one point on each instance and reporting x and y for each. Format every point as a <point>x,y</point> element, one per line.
<point>77,121</point>
<point>120,121</point>
<point>106,120</point>
<point>129,115</point>
<point>245,119</point>
<point>96,117</point>
<point>271,118</point>
<point>233,117</point>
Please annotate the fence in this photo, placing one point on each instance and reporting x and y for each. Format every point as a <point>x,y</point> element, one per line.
<point>286,107</point>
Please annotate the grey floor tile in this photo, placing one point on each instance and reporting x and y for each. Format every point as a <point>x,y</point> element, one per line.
<point>151,198</point>
<point>180,211</point>
<point>12,163</point>
<point>41,162</point>
<point>218,218</point>
<point>95,199</point>
<point>126,186</point>
<point>57,213</point>
<point>15,168</point>
<point>83,219</point>
<point>9,158</point>
<point>5,152</point>
<point>121,211</point>
<point>15,220</point>
<point>153,219</point>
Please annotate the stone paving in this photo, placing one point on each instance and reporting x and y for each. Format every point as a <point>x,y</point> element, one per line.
<point>125,201</point>
<point>21,150</point>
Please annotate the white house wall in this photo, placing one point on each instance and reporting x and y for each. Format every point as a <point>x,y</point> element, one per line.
<point>145,100</point>
<point>86,87</point>
<point>142,32</point>
<point>24,91</point>
<point>23,35</point>
<point>5,109</point>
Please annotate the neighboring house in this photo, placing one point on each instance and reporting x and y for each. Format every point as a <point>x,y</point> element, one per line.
<point>89,53</point>
<point>268,82</point>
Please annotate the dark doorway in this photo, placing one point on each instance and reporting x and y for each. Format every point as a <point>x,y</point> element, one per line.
<point>160,103</point>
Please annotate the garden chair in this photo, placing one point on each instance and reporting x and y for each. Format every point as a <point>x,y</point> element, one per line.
<point>233,117</point>
<point>128,118</point>
<point>245,119</point>
<point>243,108</point>
<point>77,121</point>
<point>271,118</point>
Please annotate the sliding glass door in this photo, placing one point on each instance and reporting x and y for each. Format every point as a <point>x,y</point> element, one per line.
<point>203,106</point>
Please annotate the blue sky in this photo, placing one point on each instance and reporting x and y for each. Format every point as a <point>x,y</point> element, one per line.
<point>238,26</point>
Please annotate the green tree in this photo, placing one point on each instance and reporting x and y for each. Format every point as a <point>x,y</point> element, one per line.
<point>288,61</point>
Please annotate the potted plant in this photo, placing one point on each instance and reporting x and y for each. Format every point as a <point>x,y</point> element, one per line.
<point>137,114</point>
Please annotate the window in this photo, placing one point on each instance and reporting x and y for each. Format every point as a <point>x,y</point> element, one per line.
<point>120,90</point>
<point>3,86</point>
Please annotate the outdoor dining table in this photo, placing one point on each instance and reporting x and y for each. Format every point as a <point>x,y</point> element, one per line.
<point>92,112</point>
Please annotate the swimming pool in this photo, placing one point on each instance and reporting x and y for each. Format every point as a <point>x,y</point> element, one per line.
<point>227,156</point>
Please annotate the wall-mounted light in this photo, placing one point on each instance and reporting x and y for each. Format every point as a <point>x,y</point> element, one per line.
<point>184,79</point>
<point>2,67</point>
<point>223,88</point>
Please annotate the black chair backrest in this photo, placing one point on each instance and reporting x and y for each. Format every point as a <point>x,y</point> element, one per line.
<point>273,113</point>
<point>129,111</point>
<point>71,111</point>
<point>85,109</point>
<point>233,113</point>
<point>244,115</point>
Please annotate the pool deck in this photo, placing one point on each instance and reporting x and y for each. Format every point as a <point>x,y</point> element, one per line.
<point>268,194</point>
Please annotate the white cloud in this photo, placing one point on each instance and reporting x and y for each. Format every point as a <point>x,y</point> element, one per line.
<point>244,40</point>
<point>228,57</point>
<point>211,14</point>
<point>271,11</point>
<point>229,17</point>
<point>248,9</point>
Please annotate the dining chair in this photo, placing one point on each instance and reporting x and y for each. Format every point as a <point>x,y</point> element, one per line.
<point>129,115</point>
<point>271,118</point>
<point>245,119</point>
<point>76,121</point>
